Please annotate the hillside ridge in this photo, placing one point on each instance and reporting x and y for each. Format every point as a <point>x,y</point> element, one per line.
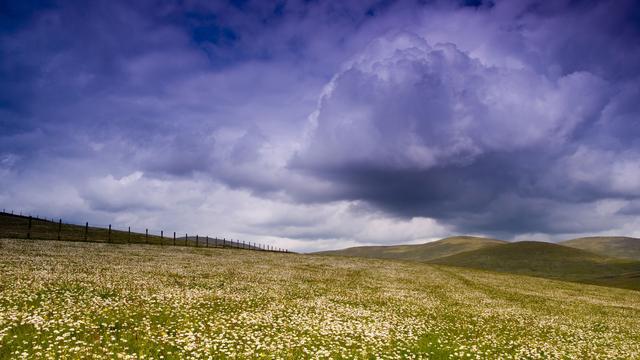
<point>550,260</point>
<point>614,246</point>
<point>418,252</point>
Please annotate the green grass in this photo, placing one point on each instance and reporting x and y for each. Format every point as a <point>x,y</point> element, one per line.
<point>614,246</point>
<point>551,261</point>
<point>420,252</point>
<point>17,226</point>
<point>95,300</point>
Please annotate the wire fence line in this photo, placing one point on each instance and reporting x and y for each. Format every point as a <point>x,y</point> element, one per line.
<point>21,225</point>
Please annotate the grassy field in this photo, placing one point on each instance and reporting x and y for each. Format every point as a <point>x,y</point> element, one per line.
<point>587,260</point>
<point>614,246</point>
<point>95,300</point>
<point>419,252</point>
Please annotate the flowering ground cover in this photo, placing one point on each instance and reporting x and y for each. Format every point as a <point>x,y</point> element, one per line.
<point>91,300</point>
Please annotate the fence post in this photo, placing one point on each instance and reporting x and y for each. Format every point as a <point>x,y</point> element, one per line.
<point>109,233</point>
<point>129,237</point>
<point>223,242</point>
<point>146,236</point>
<point>161,237</point>
<point>207,241</point>
<point>174,238</point>
<point>59,228</point>
<point>186,236</point>
<point>29,229</point>
<point>196,240</point>
<point>86,231</point>
<point>243,244</point>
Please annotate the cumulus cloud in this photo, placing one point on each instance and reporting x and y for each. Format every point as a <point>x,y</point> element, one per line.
<point>324,124</point>
<point>405,104</point>
<point>506,136</point>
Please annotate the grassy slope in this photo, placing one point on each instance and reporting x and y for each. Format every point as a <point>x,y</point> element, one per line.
<point>16,226</point>
<point>551,261</point>
<point>183,302</point>
<point>421,252</point>
<point>614,246</point>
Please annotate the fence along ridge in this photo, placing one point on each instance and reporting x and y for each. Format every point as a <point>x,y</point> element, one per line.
<point>56,229</point>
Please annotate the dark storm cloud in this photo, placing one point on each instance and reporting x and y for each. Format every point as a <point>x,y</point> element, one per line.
<point>525,132</point>
<point>163,76</point>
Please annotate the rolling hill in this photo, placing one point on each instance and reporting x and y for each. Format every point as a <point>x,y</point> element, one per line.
<point>420,252</point>
<point>550,261</point>
<point>614,246</point>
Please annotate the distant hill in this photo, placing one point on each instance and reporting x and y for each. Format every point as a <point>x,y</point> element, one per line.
<point>550,261</point>
<point>421,252</point>
<point>614,246</point>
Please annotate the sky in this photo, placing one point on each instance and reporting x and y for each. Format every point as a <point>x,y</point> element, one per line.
<point>313,125</point>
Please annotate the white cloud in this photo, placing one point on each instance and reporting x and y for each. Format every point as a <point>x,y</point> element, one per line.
<point>406,104</point>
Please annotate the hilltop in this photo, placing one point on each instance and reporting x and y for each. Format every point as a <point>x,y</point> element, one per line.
<point>420,252</point>
<point>550,261</point>
<point>614,246</point>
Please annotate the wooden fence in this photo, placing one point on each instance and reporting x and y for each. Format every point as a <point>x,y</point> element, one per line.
<point>25,226</point>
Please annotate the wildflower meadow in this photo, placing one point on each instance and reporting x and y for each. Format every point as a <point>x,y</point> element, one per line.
<point>104,301</point>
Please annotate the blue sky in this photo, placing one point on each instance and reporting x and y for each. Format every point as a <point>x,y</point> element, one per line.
<point>323,124</point>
